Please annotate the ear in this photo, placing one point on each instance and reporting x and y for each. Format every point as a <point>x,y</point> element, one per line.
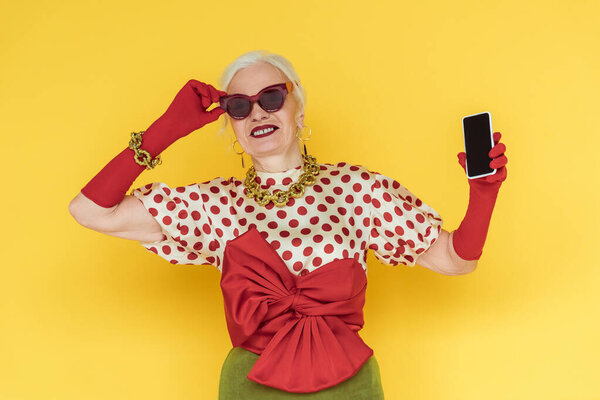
<point>300,119</point>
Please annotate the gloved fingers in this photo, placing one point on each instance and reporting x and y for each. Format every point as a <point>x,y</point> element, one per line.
<point>499,176</point>
<point>497,150</point>
<point>201,90</point>
<point>498,162</point>
<point>497,136</point>
<point>215,113</point>
<point>215,94</point>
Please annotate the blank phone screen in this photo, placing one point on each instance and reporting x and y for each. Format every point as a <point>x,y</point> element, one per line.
<point>478,144</point>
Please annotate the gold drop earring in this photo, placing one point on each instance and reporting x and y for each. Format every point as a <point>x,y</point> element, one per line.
<point>240,154</point>
<point>304,139</point>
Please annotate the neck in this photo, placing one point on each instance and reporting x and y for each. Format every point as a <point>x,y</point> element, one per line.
<point>278,162</point>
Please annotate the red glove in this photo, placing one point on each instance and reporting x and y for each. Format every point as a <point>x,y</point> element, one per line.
<point>469,238</point>
<point>186,113</point>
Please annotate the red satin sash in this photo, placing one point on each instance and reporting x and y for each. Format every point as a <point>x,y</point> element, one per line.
<point>305,328</point>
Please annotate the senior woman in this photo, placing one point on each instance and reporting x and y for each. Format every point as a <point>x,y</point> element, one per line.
<point>290,240</point>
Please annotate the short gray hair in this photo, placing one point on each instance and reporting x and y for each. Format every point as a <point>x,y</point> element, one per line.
<point>278,61</point>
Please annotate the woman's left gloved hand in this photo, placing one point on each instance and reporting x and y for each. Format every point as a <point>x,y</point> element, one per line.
<point>469,238</point>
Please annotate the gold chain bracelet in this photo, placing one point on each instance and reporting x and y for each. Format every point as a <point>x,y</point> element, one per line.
<point>142,157</point>
<point>264,197</point>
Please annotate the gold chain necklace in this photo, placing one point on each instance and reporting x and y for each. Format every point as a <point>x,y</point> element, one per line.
<point>264,197</point>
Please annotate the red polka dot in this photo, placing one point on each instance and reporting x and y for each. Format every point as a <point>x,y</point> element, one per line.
<point>328,248</point>
<point>296,242</point>
<point>407,206</point>
<point>297,266</point>
<point>166,249</point>
<point>387,216</point>
<point>182,214</point>
<point>341,210</point>
<point>317,261</point>
<point>322,207</point>
<point>346,178</point>
<point>305,231</point>
<point>281,214</point>
<point>171,205</point>
<point>284,234</point>
<point>318,238</point>
<point>206,229</point>
<point>167,220</point>
<point>420,218</point>
<point>334,218</point>
<point>349,199</point>
<point>302,210</point>
<point>310,199</point>
<point>219,232</point>
<point>272,225</point>
<point>287,180</point>
<point>192,256</point>
<point>158,198</point>
<point>358,210</point>
<point>287,255</point>
<point>365,176</point>
<point>338,190</point>
<point>410,224</point>
<point>307,251</point>
<point>314,220</point>
<point>398,211</point>
<point>304,272</point>
<point>215,210</point>
<point>261,216</point>
<point>270,182</point>
<point>184,229</point>
<point>294,223</point>
<point>214,189</point>
<point>226,221</point>
<point>399,230</point>
<point>357,187</point>
<point>275,244</point>
<point>318,188</point>
<point>329,199</point>
<point>326,227</point>
<point>153,211</point>
<point>249,209</point>
<point>194,196</point>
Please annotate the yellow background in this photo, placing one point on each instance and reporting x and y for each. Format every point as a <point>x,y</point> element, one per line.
<point>89,316</point>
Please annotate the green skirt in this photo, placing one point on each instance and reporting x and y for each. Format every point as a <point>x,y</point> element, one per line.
<point>233,384</point>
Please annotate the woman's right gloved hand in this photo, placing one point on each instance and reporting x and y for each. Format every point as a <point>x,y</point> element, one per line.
<point>187,112</point>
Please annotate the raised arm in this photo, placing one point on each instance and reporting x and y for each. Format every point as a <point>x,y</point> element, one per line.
<point>102,205</point>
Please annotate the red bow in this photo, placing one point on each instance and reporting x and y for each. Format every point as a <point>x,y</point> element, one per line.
<point>305,328</point>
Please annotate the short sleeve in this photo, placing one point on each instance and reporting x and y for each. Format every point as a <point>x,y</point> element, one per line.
<point>402,226</point>
<point>188,235</point>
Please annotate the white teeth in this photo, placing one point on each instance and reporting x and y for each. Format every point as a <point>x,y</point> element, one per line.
<point>262,131</point>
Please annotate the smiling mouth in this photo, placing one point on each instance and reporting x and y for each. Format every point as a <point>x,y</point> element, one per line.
<point>263,132</point>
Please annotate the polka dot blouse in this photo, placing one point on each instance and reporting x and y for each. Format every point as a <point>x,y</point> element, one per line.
<point>347,211</point>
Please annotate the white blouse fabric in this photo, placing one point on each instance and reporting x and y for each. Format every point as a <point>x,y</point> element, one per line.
<point>346,212</point>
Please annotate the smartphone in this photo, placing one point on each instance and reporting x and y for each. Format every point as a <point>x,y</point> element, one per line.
<point>479,140</point>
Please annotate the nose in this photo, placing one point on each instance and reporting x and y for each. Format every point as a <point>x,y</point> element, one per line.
<point>257,112</point>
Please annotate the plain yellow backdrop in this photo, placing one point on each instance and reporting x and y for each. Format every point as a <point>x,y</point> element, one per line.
<point>89,316</point>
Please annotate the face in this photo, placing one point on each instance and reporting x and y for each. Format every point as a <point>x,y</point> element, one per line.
<point>283,140</point>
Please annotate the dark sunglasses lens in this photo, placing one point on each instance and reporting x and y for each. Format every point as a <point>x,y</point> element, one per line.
<point>238,107</point>
<point>271,100</point>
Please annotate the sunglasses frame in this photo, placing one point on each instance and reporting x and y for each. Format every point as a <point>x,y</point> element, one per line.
<point>284,88</point>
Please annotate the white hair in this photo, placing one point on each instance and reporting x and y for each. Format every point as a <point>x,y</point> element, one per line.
<point>278,61</point>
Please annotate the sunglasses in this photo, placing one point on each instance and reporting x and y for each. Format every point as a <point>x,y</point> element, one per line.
<point>270,99</point>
